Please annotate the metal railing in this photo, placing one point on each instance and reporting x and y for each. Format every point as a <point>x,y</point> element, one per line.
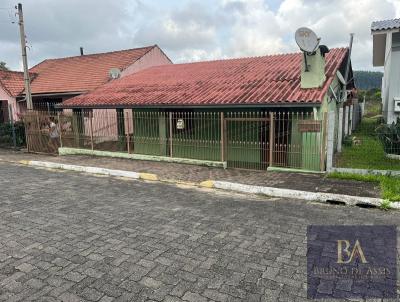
<point>245,139</point>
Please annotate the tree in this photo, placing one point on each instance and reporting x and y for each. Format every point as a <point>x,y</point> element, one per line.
<point>3,66</point>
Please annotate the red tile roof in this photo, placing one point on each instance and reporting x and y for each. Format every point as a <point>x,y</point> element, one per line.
<point>12,82</point>
<point>81,73</point>
<point>247,81</point>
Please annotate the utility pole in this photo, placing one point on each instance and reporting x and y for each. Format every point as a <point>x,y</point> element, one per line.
<point>28,95</point>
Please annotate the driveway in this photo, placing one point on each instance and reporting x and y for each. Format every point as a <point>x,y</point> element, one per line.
<point>73,237</point>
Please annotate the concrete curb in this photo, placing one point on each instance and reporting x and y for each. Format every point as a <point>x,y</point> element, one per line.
<point>91,170</point>
<point>76,151</point>
<point>296,194</point>
<point>223,185</point>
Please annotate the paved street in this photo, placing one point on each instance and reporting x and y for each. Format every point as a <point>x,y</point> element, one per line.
<point>73,237</point>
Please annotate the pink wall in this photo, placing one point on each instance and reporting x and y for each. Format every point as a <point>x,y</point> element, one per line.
<point>154,57</point>
<point>4,96</point>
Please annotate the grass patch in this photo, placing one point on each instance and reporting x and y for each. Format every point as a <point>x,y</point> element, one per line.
<point>385,205</point>
<point>370,153</point>
<point>390,186</point>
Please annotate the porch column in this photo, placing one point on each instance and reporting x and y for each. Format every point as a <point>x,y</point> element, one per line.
<point>340,130</point>
<point>121,129</point>
<point>78,126</point>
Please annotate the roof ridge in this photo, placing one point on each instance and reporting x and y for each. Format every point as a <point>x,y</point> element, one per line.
<point>394,19</point>
<point>11,71</point>
<point>97,54</point>
<point>247,58</point>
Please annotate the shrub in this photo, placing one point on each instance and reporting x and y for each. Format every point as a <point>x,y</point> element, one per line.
<point>390,137</point>
<point>6,134</point>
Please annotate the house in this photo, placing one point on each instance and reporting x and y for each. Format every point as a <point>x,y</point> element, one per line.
<point>56,80</point>
<point>386,54</point>
<point>11,86</point>
<point>249,112</point>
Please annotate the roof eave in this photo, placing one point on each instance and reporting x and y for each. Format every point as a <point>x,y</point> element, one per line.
<point>128,106</point>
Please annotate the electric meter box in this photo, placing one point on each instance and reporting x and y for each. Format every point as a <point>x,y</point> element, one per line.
<point>397,105</point>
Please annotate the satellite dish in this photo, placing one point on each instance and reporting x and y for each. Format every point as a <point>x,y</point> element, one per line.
<point>114,73</point>
<point>306,39</point>
<point>340,77</point>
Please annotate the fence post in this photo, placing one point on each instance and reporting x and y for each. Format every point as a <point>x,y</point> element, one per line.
<point>351,120</point>
<point>222,137</point>
<point>11,119</point>
<point>271,138</point>
<point>331,132</point>
<point>324,124</point>
<point>170,135</point>
<point>60,126</point>
<point>346,120</point>
<point>91,129</point>
<point>340,130</point>
<point>128,141</point>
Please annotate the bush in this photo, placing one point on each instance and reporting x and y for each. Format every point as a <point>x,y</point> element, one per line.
<point>390,137</point>
<point>6,134</point>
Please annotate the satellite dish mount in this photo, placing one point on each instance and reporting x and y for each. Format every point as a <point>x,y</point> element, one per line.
<point>308,42</point>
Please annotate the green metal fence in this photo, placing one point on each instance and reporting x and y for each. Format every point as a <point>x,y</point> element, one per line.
<point>254,139</point>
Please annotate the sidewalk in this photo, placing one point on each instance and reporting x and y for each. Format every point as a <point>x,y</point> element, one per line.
<point>196,174</point>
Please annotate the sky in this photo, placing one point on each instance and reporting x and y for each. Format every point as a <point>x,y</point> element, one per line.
<point>188,30</point>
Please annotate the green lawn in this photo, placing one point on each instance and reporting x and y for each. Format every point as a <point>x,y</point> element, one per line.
<point>390,186</point>
<point>369,154</point>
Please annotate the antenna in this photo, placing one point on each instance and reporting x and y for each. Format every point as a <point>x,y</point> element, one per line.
<point>114,73</point>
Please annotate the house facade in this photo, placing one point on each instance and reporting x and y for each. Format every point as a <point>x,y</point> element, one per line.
<point>11,86</point>
<point>386,54</point>
<point>56,80</point>
<point>249,112</point>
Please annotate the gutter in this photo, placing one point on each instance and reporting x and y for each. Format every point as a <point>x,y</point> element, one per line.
<point>230,106</point>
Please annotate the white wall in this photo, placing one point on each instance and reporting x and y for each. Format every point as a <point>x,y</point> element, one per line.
<point>391,80</point>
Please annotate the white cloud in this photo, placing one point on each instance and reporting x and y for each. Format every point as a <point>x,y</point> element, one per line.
<point>255,29</point>
<point>191,30</point>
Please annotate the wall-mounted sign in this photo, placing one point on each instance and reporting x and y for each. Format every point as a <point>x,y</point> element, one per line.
<point>180,124</point>
<point>309,126</point>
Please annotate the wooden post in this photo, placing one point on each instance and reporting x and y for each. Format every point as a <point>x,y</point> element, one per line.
<point>170,135</point>
<point>271,138</point>
<point>91,129</point>
<point>222,137</point>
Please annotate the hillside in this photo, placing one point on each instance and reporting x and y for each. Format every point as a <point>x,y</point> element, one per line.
<point>367,80</point>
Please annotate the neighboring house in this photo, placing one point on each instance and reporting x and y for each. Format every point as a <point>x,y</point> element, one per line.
<point>11,86</point>
<point>194,93</point>
<point>386,53</point>
<point>56,80</point>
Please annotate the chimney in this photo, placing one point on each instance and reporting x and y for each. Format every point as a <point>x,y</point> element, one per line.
<point>81,48</point>
<point>313,68</point>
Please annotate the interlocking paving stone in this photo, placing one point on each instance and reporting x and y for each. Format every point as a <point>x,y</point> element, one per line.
<point>66,236</point>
